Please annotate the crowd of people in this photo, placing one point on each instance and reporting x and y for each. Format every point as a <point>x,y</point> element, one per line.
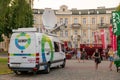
<point>97,57</point>
<point>81,56</point>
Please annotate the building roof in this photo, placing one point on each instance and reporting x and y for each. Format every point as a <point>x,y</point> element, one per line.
<point>75,12</point>
<point>79,12</point>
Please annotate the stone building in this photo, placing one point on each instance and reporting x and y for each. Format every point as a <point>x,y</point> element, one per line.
<point>79,26</point>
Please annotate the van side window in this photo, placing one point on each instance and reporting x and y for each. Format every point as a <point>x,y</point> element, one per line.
<point>62,47</point>
<point>39,42</point>
<point>56,45</point>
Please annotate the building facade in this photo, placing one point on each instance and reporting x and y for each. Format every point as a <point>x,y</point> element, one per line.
<point>79,26</point>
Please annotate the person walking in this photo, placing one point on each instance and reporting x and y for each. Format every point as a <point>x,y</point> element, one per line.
<point>111,58</point>
<point>96,56</point>
<point>83,55</point>
<point>78,55</point>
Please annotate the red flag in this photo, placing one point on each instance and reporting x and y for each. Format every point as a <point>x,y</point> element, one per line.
<point>111,35</point>
<point>114,43</point>
<point>95,37</point>
<point>113,39</point>
<point>103,38</point>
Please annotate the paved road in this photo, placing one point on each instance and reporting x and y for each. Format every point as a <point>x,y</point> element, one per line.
<point>72,71</point>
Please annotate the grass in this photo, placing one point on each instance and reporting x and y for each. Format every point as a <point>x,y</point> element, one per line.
<point>4,67</point>
<point>3,52</point>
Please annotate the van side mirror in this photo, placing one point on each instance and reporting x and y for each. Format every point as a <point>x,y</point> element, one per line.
<point>62,50</point>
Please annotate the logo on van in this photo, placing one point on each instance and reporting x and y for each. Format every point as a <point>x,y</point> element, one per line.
<point>46,39</point>
<point>22,41</point>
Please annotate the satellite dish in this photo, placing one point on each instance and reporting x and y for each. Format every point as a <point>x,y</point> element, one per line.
<point>49,19</point>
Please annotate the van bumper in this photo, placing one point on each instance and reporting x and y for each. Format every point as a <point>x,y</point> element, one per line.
<point>24,68</point>
<point>21,69</point>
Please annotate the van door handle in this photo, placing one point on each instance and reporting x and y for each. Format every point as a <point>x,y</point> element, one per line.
<point>62,53</point>
<point>23,57</point>
<point>48,53</point>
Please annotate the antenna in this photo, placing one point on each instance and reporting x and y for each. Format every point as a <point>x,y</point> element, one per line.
<point>49,19</point>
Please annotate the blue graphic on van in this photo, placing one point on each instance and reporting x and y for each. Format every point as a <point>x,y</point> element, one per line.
<point>22,38</point>
<point>46,39</point>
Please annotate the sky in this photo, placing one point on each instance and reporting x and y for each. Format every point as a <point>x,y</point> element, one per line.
<point>79,4</point>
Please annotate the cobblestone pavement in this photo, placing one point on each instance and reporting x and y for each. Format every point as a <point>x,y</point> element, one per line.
<point>72,71</point>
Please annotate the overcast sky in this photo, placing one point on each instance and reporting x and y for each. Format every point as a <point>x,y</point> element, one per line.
<point>79,4</point>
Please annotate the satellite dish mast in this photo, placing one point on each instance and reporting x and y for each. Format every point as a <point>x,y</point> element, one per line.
<point>49,19</point>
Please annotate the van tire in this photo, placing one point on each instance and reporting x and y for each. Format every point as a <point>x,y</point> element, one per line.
<point>64,62</point>
<point>17,72</point>
<point>34,72</point>
<point>47,70</point>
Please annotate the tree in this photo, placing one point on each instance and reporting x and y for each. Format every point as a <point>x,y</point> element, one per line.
<point>22,15</point>
<point>4,10</point>
<point>13,16</point>
<point>118,8</point>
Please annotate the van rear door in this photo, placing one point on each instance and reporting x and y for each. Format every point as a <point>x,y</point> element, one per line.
<point>22,50</point>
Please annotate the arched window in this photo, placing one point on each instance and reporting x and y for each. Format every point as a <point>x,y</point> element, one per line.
<point>63,9</point>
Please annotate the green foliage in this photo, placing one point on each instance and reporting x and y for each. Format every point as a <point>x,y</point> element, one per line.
<point>3,60</point>
<point>1,38</point>
<point>4,68</point>
<point>14,14</point>
<point>4,10</point>
<point>118,8</point>
<point>22,15</point>
<point>4,53</point>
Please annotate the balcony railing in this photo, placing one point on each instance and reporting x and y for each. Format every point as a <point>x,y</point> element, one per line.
<point>75,25</point>
<point>103,25</point>
<point>75,37</point>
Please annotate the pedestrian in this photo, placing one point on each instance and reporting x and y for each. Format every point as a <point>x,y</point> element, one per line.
<point>111,58</point>
<point>78,55</point>
<point>96,56</point>
<point>83,55</point>
<point>104,54</point>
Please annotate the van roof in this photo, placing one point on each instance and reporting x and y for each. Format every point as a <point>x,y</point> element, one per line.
<point>25,30</point>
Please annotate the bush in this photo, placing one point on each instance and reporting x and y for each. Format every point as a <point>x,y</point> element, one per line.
<point>1,49</point>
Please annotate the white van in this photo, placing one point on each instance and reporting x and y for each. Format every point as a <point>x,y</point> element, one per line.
<point>31,51</point>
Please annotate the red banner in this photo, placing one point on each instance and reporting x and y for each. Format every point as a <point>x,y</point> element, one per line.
<point>114,43</point>
<point>65,44</point>
<point>96,36</point>
<point>90,45</point>
<point>111,35</point>
<point>103,38</point>
<point>113,39</point>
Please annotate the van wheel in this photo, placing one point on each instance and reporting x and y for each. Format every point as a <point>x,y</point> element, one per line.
<point>63,65</point>
<point>47,70</point>
<point>17,72</point>
<point>34,72</point>
<point>117,69</point>
<point>23,72</point>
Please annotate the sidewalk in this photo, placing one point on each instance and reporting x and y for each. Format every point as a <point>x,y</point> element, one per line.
<point>3,55</point>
